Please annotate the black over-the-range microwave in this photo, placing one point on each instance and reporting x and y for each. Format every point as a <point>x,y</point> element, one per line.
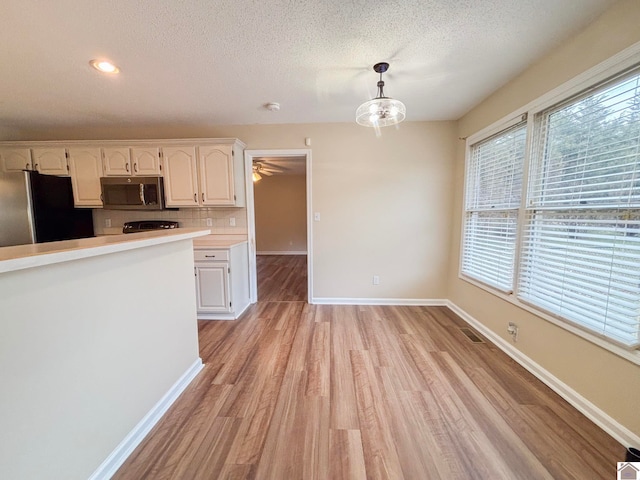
<point>132,193</point>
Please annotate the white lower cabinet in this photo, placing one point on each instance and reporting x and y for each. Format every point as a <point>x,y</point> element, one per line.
<point>222,281</point>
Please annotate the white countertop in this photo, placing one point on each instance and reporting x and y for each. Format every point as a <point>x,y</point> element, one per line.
<point>27,256</point>
<point>219,241</point>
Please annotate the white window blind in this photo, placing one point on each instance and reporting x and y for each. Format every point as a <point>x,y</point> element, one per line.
<point>581,238</point>
<point>493,193</point>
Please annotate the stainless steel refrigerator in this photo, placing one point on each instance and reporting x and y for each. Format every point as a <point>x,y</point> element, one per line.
<point>36,208</point>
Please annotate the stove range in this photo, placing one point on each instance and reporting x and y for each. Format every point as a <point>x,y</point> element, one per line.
<point>146,225</point>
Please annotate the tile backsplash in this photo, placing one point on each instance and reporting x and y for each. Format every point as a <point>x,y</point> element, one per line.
<point>187,217</point>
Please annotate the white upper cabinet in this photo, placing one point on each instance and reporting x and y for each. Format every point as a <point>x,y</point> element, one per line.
<point>15,159</point>
<point>117,161</point>
<point>204,172</point>
<point>134,161</point>
<point>50,161</point>
<point>216,175</point>
<point>180,176</point>
<point>214,178</point>
<point>85,165</point>
<point>146,161</point>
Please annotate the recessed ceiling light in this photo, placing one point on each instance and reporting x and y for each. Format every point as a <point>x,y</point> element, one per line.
<point>104,66</point>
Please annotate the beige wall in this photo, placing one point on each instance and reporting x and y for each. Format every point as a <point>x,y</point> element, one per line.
<point>608,381</point>
<point>384,201</point>
<point>281,213</point>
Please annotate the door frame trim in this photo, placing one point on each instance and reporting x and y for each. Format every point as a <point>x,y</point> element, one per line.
<point>249,155</point>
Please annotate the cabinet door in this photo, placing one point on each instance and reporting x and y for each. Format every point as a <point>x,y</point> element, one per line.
<point>180,176</point>
<point>86,169</point>
<point>212,288</point>
<point>146,161</point>
<point>50,161</point>
<point>216,175</point>
<point>116,161</point>
<point>15,159</point>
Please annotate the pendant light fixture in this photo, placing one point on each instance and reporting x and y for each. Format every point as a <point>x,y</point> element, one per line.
<point>381,111</point>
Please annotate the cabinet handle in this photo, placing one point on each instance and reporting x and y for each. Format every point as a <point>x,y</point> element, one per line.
<point>26,167</point>
<point>126,165</point>
<point>209,256</point>
<point>35,167</point>
<point>202,197</point>
<point>135,167</point>
<point>195,197</point>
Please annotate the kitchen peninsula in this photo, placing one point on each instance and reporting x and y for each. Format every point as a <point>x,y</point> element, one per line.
<point>99,336</point>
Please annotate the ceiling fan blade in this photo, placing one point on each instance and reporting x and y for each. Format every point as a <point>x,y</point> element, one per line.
<point>266,172</point>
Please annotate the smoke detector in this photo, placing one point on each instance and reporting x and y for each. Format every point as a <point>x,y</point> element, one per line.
<point>272,106</point>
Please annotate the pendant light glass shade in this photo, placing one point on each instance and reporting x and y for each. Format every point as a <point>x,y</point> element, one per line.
<point>381,111</point>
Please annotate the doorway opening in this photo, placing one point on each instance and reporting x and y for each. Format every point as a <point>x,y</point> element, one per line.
<point>279,227</point>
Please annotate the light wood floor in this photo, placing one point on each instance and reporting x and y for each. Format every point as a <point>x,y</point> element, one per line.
<point>282,278</point>
<point>298,391</point>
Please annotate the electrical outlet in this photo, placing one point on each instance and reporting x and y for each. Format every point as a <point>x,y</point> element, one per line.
<point>209,222</point>
<point>107,223</point>
<point>512,330</point>
<point>376,280</point>
<point>232,221</point>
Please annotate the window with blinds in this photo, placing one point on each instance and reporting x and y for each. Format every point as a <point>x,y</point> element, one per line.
<point>493,192</point>
<point>581,238</point>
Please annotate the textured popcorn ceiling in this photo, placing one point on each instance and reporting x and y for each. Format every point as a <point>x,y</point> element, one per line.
<point>217,62</point>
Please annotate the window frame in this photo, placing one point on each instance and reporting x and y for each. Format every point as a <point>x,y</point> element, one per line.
<point>581,85</point>
<point>501,128</point>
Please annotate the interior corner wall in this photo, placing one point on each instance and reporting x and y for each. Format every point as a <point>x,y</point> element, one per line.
<point>281,214</point>
<point>595,373</point>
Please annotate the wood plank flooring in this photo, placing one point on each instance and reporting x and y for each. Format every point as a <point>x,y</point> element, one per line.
<point>298,391</point>
<point>282,278</point>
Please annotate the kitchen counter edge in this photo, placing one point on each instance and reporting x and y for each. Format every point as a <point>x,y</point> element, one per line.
<point>20,257</point>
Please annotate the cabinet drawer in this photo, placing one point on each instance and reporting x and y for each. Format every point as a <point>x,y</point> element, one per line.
<point>211,255</point>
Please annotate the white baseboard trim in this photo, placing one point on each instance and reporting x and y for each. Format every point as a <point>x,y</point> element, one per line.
<point>223,316</point>
<point>111,464</point>
<point>286,252</point>
<point>431,302</point>
<point>618,431</point>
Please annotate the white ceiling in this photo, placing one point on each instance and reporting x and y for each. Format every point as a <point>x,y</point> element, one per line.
<point>217,62</point>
